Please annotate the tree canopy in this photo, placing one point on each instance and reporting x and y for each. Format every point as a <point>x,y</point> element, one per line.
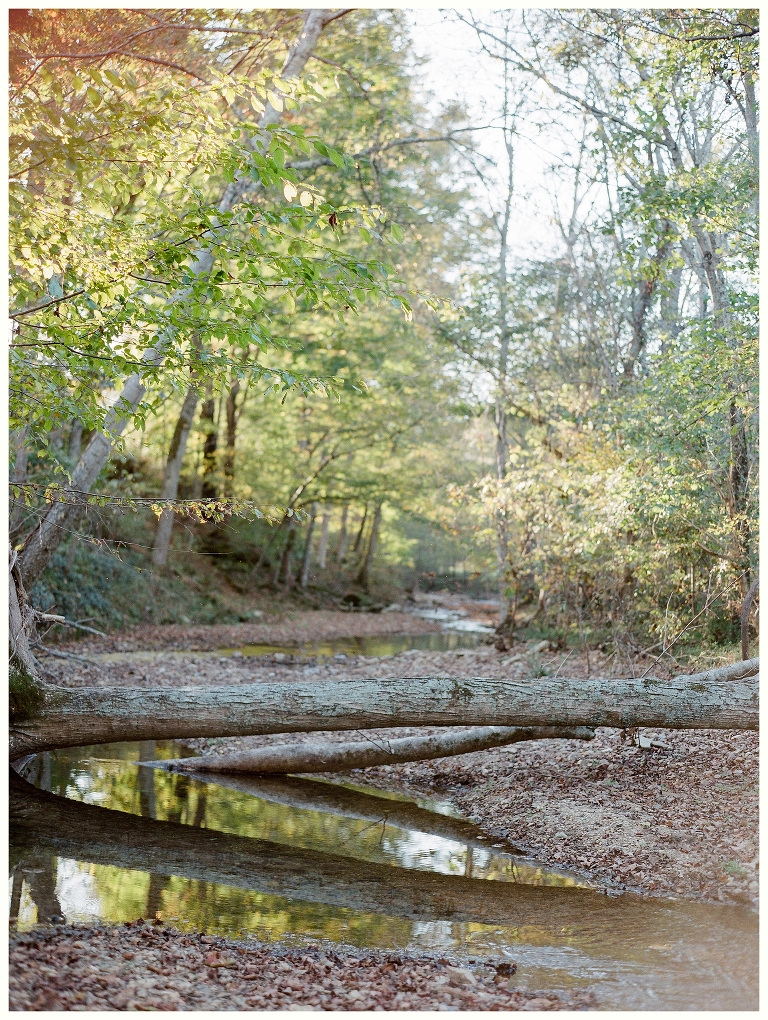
<point>302,293</point>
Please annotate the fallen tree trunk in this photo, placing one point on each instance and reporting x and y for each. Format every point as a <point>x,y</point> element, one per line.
<point>328,757</point>
<point>716,699</point>
<point>713,700</point>
<point>330,798</point>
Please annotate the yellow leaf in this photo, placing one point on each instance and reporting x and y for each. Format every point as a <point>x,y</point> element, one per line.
<point>290,191</point>
<point>305,198</point>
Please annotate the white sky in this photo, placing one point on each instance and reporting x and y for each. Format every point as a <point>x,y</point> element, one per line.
<point>457,69</point>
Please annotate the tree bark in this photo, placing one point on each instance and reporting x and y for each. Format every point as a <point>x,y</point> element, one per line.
<point>307,557</point>
<point>330,798</point>
<point>330,757</point>
<point>171,476</point>
<point>364,577</point>
<point>60,516</point>
<point>43,823</point>
<point>725,698</point>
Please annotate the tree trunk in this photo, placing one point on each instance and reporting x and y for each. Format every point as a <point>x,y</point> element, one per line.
<point>283,571</point>
<point>18,475</point>
<point>43,823</point>
<point>61,515</point>
<point>342,546</point>
<point>738,492</point>
<point>363,578</point>
<point>745,610</point>
<point>332,757</point>
<point>20,622</point>
<point>322,552</point>
<point>641,305</point>
<point>502,445</point>
<point>717,699</point>
<point>75,445</point>
<point>171,476</point>
<point>210,445</point>
<point>229,451</point>
<point>330,798</point>
<point>307,557</point>
<point>359,538</point>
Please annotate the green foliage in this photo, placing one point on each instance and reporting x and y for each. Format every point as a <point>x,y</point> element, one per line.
<point>116,179</point>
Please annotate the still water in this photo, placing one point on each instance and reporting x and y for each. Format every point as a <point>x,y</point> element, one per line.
<point>387,644</point>
<point>305,861</point>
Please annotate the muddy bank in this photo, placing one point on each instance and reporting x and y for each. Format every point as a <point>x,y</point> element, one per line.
<point>143,966</point>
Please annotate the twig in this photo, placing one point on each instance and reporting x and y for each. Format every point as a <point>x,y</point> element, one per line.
<point>79,626</point>
<point>707,605</point>
<point>563,663</point>
<point>61,655</point>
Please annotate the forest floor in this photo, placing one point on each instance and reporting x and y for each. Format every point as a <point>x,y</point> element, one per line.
<point>142,966</point>
<point>674,821</point>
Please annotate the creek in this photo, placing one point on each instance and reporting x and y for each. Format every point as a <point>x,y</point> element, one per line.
<point>307,861</point>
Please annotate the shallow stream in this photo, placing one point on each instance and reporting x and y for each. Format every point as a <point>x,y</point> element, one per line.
<point>303,861</point>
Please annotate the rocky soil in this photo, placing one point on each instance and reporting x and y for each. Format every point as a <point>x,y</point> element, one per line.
<point>142,966</point>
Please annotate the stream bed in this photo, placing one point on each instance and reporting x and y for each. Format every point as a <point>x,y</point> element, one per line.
<point>307,861</point>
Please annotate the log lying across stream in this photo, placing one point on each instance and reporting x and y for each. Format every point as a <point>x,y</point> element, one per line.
<point>725,698</point>
<point>328,757</point>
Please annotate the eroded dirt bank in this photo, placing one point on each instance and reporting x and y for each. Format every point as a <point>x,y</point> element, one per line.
<point>144,966</point>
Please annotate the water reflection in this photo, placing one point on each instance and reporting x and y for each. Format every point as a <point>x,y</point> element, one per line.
<point>634,953</point>
<point>380,647</point>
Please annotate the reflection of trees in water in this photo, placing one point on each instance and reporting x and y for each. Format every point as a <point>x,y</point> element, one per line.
<point>16,884</point>
<point>202,799</point>
<point>211,907</point>
<point>39,871</point>
<point>146,781</point>
<point>157,885</point>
